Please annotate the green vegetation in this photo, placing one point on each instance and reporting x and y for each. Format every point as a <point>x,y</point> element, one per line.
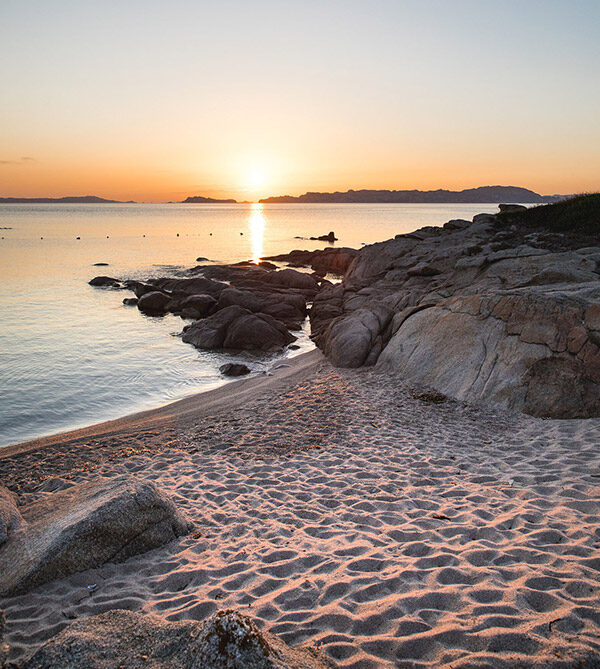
<point>578,215</point>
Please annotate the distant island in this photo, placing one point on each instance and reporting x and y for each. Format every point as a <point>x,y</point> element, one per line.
<point>471,195</point>
<point>83,199</point>
<point>200,199</point>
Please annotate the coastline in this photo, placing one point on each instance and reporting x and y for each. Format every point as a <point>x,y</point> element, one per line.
<point>284,373</point>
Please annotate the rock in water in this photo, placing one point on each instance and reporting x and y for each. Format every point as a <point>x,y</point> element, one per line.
<point>86,526</point>
<point>237,328</point>
<point>10,518</point>
<point>154,303</point>
<point>234,369</point>
<point>228,640</point>
<point>105,282</point>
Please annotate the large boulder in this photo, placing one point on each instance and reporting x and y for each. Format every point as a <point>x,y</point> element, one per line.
<point>520,350</point>
<point>85,526</point>
<point>227,640</point>
<point>237,328</point>
<point>197,306</point>
<point>11,519</point>
<point>154,303</point>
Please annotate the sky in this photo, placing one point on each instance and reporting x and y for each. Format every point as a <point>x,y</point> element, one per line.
<point>154,101</point>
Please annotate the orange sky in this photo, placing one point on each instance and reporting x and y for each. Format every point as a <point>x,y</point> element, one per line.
<point>137,103</point>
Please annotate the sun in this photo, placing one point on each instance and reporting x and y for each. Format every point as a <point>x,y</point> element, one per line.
<point>256,179</point>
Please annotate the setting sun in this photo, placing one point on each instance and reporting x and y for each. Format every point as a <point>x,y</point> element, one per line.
<point>256,179</point>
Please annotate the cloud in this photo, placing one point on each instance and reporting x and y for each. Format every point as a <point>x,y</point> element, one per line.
<point>25,160</point>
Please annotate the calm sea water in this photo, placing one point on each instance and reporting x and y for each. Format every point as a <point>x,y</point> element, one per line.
<point>72,355</point>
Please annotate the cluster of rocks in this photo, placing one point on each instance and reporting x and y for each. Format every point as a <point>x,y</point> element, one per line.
<point>244,306</point>
<point>479,310</point>
<point>227,640</point>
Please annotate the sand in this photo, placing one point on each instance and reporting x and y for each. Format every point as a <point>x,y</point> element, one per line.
<point>338,510</point>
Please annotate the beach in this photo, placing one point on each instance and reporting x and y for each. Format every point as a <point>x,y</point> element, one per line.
<point>338,508</point>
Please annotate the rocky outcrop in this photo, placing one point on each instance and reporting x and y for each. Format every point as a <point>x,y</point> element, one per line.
<point>86,526</point>
<point>324,261</point>
<point>480,311</point>
<point>227,640</point>
<point>154,303</point>
<point>237,328</point>
<point>11,519</point>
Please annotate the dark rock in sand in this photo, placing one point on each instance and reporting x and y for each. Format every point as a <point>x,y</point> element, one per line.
<point>237,328</point>
<point>227,640</point>
<point>105,282</point>
<point>130,301</point>
<point>154,303</point>
<point>84,527</point>
<point>201,259</point>
<point>100,264</point>
<point>11,519</point>
<point>234,369</point>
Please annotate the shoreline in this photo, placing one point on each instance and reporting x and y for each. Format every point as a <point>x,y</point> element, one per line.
<point>230,395</point>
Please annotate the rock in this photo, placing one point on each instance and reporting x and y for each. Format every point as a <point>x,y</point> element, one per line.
<point>326,238</point>
<point>203,305</point>
<point>423,269</point>
<point>325,261</point>
<point>199,285</point>
<point>237,328</point>
<point>100,264</point>
<point>130,301</point>
<point>234,369</point>
<point>105,282</point>
<point>138,287</point>
<point>154,303</point>
<point>227,640</point>
<point>84,527</point>
<point>291,278</point>
<point>511,208</point>
<point>11,519</point>
<point>267,265</point>
<point>456,224</point>
<point>289,309</point>
<point>201,259</point>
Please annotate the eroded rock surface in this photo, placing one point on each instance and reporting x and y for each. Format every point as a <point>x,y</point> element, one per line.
<point>86,526</point>
<point>11,519</point>
<point>228,640</point>
<point>480,311</point>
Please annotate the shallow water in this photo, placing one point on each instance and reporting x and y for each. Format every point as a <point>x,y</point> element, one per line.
<point>72,355</point>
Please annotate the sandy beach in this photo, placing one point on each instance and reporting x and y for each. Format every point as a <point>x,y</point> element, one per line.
<point>337,509</point>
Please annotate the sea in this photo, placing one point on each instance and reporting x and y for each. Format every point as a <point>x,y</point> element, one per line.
<point>72,355</point>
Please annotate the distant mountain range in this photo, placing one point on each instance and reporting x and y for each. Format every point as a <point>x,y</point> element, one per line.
<point>82,199</point>
<point>484,194</point>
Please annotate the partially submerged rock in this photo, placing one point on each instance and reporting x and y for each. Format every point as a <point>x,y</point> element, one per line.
<point>227,640</point>
<point>154,303</point>
<point>234,369</point>
<point>105,282</point>
<point>237,328</point>
<point>84,527</point>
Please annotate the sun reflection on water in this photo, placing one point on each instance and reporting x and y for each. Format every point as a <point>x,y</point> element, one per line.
<point>256,224</point>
